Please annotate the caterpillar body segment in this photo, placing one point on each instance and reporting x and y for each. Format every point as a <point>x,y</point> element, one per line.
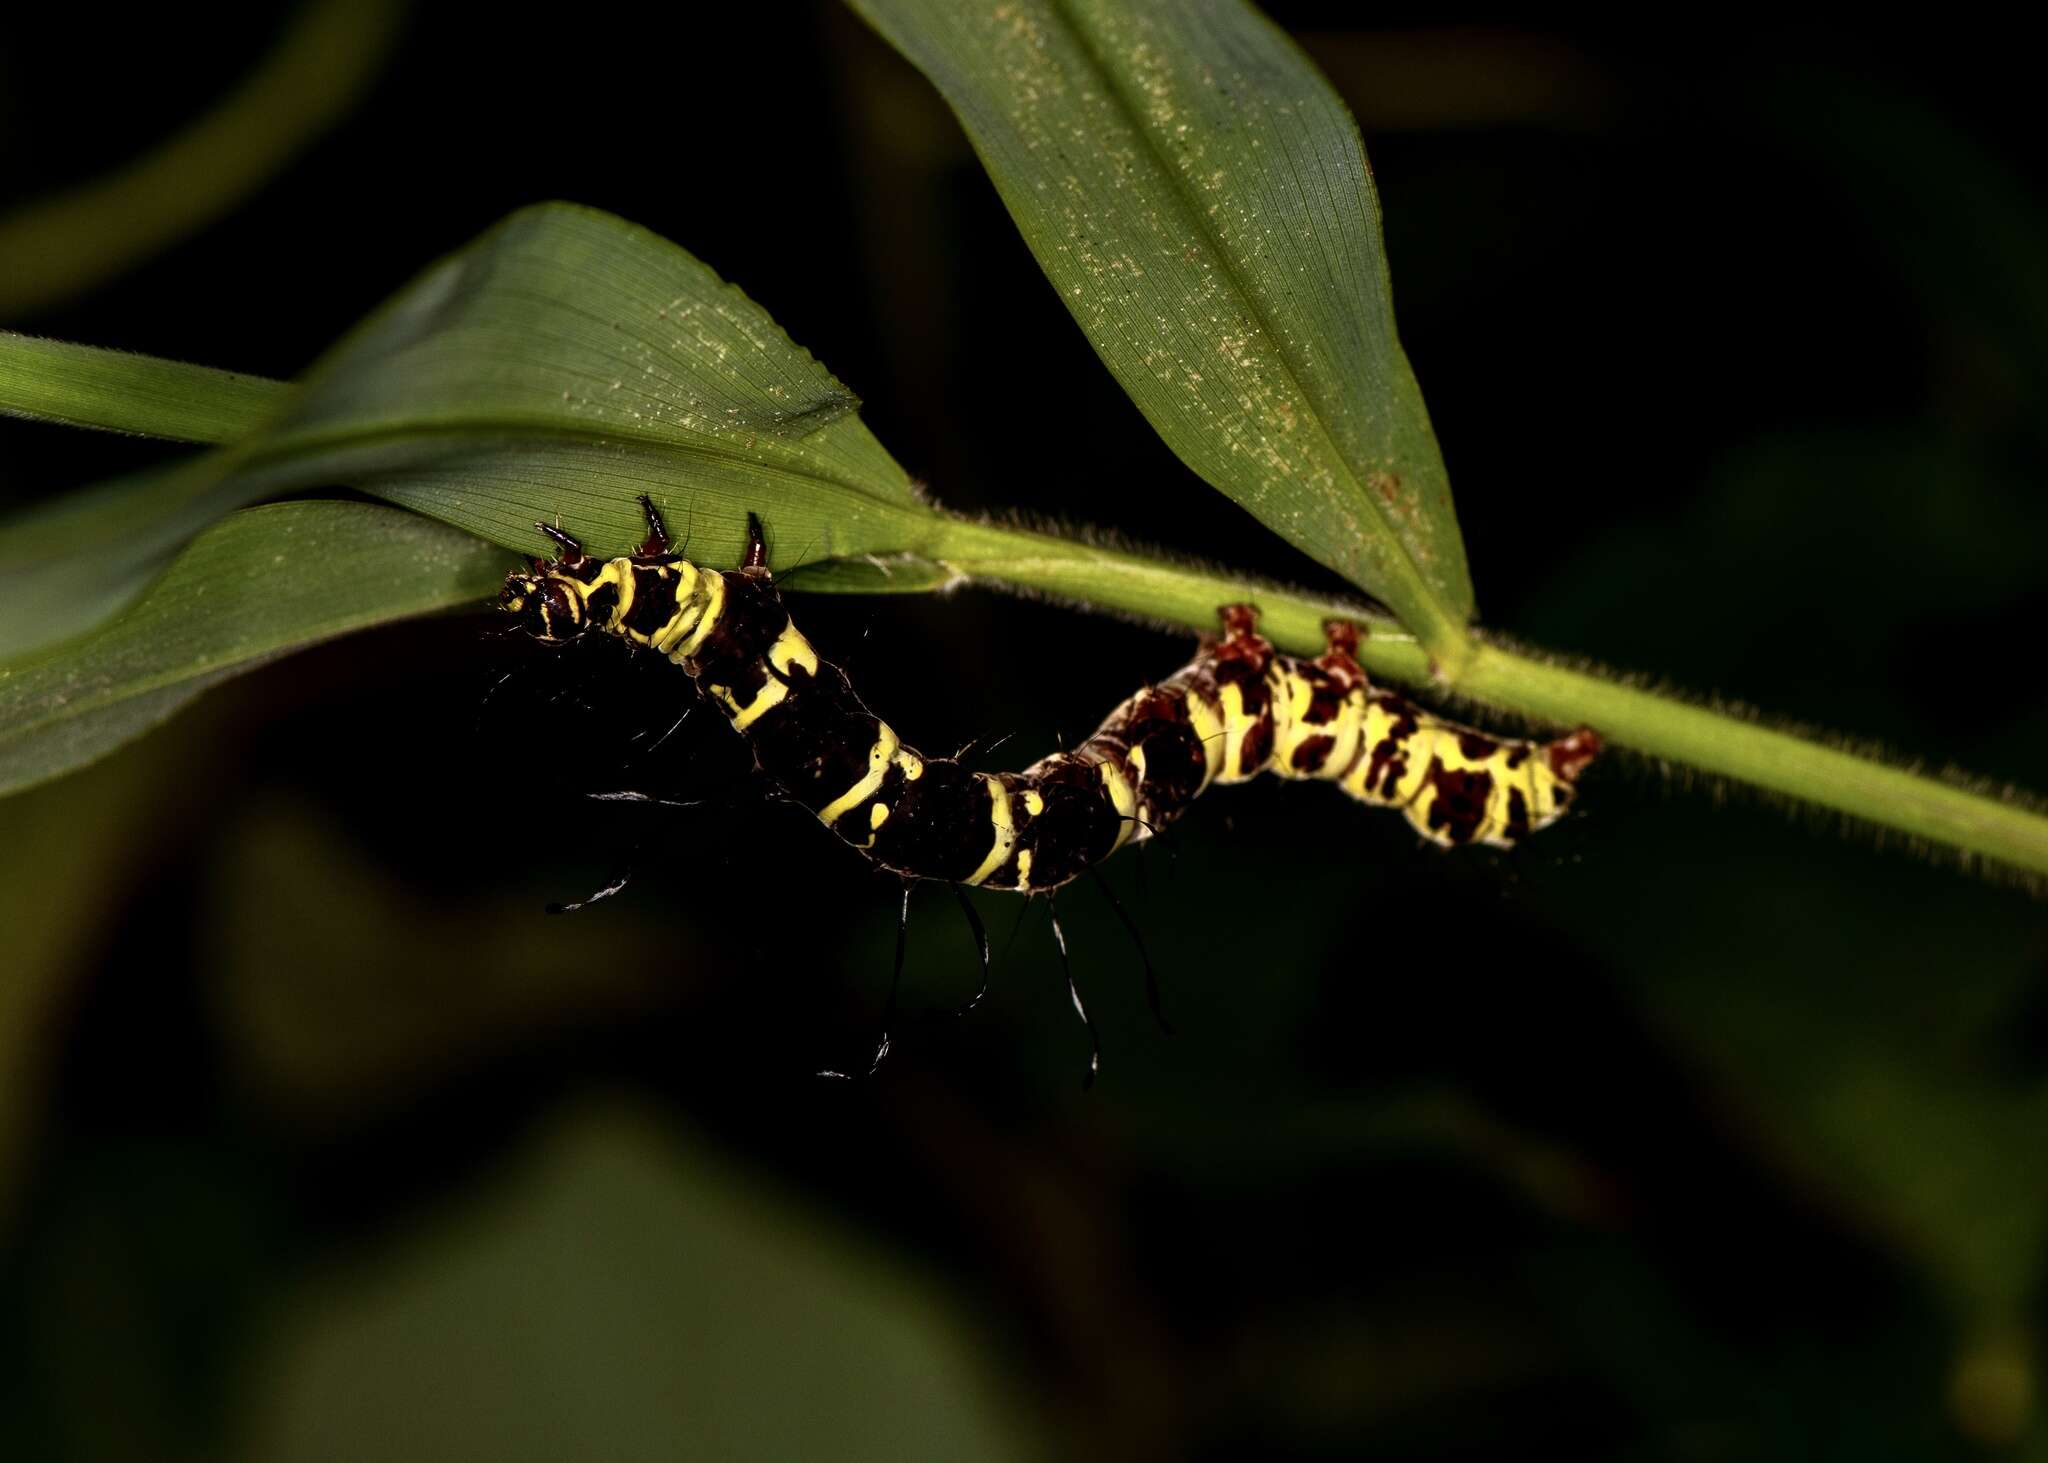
<point>1238,709</point>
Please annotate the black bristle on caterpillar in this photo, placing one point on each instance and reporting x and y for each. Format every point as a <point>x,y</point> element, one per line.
<point>1238,709</point>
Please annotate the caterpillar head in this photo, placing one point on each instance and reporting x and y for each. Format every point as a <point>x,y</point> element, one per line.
<point>550,604</point>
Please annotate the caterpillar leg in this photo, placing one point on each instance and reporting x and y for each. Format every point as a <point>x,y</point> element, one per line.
<point>1240,628</point>
<point>571,906</point>
<point>1059,938</point>
<point>633,854</point>
<point>1144,956</point>
<point>1569,755</point>
<point>656,543</point>
<point>1340,646</point>
<point>755,561</point>
<point>883,1043</point>
<point>571,551</point>
<point>979,932</point>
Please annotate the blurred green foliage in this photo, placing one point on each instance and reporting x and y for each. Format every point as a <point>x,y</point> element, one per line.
<point>625,1294</point>
<point>58,247</point>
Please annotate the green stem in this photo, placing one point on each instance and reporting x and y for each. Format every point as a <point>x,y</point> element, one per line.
<point>1153,588</point>
<point>1776,761</point>
<point>1975,824</point>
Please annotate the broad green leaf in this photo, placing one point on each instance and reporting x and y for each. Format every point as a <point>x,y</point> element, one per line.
<point>1200,199</point>
<point>69,564</point>
<point>626,1295</point>
<point>88,386</point>
<point>259,583</point>
<point>560,366</point>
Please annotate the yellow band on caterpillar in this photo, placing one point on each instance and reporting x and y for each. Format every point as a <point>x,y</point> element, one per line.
<point>1004,830</point>
<point>878,764</point>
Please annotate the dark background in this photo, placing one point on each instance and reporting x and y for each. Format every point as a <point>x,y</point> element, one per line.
<point>1698,1127</point>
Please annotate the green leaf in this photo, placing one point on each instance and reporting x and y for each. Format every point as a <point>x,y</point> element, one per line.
<point>88,386</point>
<point>1200,199</point>
<point>627,1295</point>
<point>71,563</point>
<point>605,353</point>
<point>561,365</point>
<point>261,582</point>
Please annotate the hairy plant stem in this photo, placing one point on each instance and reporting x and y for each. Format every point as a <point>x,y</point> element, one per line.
<point>1973,823</point>
<point>1977,825</point>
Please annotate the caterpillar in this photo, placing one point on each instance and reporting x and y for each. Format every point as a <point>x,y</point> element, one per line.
<point>1239,708</point>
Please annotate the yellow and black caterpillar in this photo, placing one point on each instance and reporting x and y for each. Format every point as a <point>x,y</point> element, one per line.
<point>1238,709</point>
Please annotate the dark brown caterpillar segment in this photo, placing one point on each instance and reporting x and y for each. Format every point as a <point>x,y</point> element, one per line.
<point>1238,709</point>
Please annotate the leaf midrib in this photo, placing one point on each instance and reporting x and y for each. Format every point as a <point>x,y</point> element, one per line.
<point>1288,363</point>
<point>513,429</point>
